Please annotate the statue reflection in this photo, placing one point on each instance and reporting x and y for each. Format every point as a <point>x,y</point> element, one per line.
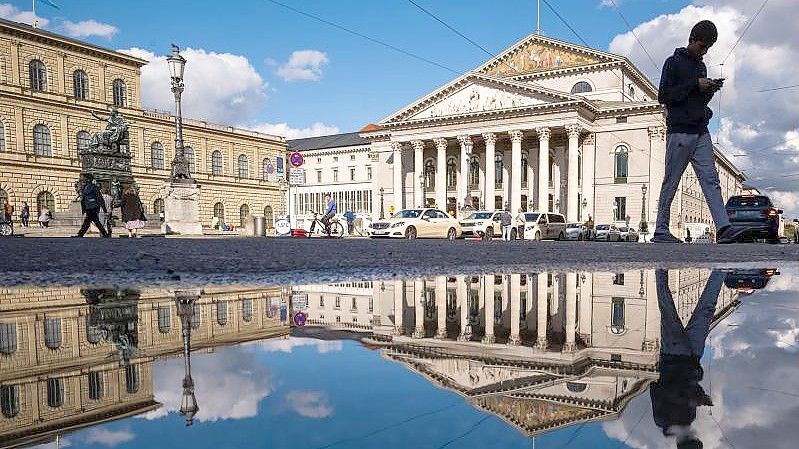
<point>114,317</point>
<point>678,393</point>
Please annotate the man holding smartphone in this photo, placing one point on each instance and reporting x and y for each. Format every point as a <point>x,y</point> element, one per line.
<point>686,91</point>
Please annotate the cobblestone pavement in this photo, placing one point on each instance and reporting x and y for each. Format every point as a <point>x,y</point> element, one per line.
<point>268,260</point>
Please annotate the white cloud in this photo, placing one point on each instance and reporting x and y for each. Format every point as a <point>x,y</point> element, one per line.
<point>310,404</point>
<point>220,87</point>
<point>303,65</point>
<point>283,129</point>
<point>750,121</point>
<point>288,344</point>
<point>107,437</point>
<point>609,3</point>
<point>11,12</point>
<point>87,28</point>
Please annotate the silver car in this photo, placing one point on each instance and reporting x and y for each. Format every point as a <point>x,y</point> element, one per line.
<point>607,233</point>
<point>576,231</point>
<point>628,234</point>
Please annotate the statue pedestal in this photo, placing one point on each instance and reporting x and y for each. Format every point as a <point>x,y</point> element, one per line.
<point>181,208</point>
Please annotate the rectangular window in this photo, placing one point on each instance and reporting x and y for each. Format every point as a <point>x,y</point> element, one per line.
<point>617,313</point>
<point>319,176</point>
<point>164,319</point>
<point>352,174</point>
<point>620,208</point>
<point>338,302</point>
<point>335,175</point>
<point>352,157</point>
<point>369,172</point>
<point>618,279</point>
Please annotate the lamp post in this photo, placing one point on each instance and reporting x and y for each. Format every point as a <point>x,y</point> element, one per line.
<point>382,208</point>
<point>644,227</point>
<point>180,165</point>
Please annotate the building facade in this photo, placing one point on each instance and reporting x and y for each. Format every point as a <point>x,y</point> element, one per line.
<point>49,87</point>
<point>546,125</point>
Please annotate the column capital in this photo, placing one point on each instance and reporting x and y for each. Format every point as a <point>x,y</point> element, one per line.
<point>574,130</point>
<point>516,136</point>
<point>466,143</point>
<point>543,133</point>
<point>418,145</point>
<point>396,146</point>
<point>590,139</point>
<point>490,138</point>
<point>440,142</point>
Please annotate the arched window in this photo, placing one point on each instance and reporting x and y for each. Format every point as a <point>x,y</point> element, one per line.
<point>120,93</point>
<point>52,333</point>
<point>498,166</point>
<point>55,392</point>
<point>221,313</point>
<point>429,175</point>
<point>2,137</point>
<point>95,379</point>
<point>188,152</point>
<point>269,217</point>
<point>474,171</point>
<point>164,319</point>
<point>581,88</point>
<point>132,379</point>
<point>244,210</point>
<point>42,145</point>
<point>158,206</point>
<point>452,173</point>
<point>157,155</point>
<point>37,74</point>
<point>266,168</point>
<point>9,400</point>
<point>576,387</point>
<point>219,211</point>
<point>82,140</point>
<point>45,199</point>
<point>93,333</point>
<point>80,85</point>
<point>621,156</point>
<point>8,338</point>
<point>525,163</point>
<point>216,163</point>
<point>246,310</point>
<point>244,167</point>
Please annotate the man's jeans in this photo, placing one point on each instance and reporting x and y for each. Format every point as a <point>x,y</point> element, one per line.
<point>698,150</point>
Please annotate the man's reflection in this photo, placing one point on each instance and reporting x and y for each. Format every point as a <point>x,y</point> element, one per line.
<point>677,394</point>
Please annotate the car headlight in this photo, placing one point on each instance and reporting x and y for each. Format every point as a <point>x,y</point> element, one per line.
<point>398,224</point>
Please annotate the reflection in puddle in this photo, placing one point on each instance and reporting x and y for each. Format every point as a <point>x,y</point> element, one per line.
<point>540,351</point>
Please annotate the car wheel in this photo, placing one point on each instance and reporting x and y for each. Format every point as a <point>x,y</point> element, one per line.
<point>537,236</point>
<point>410,233</point>
<point>452,234</point>
<point>489,234</point>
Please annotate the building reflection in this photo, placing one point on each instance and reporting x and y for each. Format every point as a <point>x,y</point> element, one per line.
<point>71,358</point>
<point>540,350</point>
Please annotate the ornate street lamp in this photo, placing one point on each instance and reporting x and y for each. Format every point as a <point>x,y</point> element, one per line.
<point>382,209</point>
<point>180,165</point>
<point>644,227</point>
<point>184,302</point>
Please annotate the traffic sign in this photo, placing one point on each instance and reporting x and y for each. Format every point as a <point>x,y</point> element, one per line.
<point>299,301</point>
<point>296,159</point>
<point>297,176</point>
<point>300,318</point>
<point>282,225</point>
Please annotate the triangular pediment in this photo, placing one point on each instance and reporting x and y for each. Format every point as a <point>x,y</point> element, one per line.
<point>537,53</point>
<point>476,93</point>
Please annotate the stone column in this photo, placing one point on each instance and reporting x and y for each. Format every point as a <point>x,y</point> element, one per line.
<point>543,168</point>
<point>589,156</point>
<point>441,173</point>
<point>418,308</point>
<point>652,323</point>
<point>441,306</point>
<point>516,137</point>
<point>418,169</point>
<point>571,312</point>
<point>572,182</point>
<point>531,178</point>
<point>488,307</point>
<point>542,311</point>
<point>515,304</point>
<point>399,306</point>
<point>586,307</point>
<point>463,303</point>
<point>490,178</point>
<point>396,148</point>
<point>463,180</point>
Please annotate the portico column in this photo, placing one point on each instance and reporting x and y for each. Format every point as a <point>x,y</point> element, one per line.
<point>418,170</point>
<point>571,312</point>
<point>572,182</point>
<point>463,180</point>
<point>543,168</point>
<point>441,306</point>
<point>441,172</point>
<point>488,308</point>
<point>490,181</point>
<point>515,304</point>
<point>516,171</point>
<point>463,302</point>
<point>396,147</point>
<point>399,305</point>
<point>542,311</point>
<point>531,179</point>
<point>418,309</point>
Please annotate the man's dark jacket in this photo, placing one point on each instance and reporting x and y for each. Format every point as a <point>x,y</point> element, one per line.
<point>686,105</point>
<point>91,199</point>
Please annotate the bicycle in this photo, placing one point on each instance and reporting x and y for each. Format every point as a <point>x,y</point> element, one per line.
<point>6,228</point>
<point>318,228</point>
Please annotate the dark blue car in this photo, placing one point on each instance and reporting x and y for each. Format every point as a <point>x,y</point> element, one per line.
<point>758,214</point>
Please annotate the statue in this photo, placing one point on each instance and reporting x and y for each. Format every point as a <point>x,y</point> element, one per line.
<point>115,136</point>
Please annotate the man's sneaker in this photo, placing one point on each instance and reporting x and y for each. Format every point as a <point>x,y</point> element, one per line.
<point>729,234</point>
<point>665,237</point>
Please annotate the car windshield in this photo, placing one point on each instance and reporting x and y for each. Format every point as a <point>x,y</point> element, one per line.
<point>603,227</point>
<point>749,201</point>
<point>408,213</point>
<point>531,217</point>
<point>623,229</point>
<point>573,225</point>
<point>480,216</point>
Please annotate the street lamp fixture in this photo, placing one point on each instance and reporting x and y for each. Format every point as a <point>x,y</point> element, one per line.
<point>382,208</point>
<point>644,226</point>
<point>184,302</point>
<point>180,165</point>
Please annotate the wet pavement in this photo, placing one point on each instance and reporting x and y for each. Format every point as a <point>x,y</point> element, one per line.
<point>600,358</point>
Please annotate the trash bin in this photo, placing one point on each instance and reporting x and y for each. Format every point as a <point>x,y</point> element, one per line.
<point>260,226</point>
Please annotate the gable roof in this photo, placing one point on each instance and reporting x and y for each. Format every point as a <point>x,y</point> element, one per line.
<point>322,142</point>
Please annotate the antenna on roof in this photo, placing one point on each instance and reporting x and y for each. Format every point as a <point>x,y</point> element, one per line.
<point>538,17</point>
<point>35,20</point>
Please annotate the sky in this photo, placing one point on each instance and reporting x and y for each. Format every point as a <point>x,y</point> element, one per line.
<point>259,65</point>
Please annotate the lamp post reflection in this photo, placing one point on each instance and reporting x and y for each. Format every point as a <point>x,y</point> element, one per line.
<point>184,302</point>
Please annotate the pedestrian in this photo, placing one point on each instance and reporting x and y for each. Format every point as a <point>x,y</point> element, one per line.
<point>350,217</point>
<point>507,222</point>
<point>91,203</point>
<point>688,237</point>
<point>520,222</point>
<point>8,211</point>
<point>686,91</point>
<point>589,228</point>
<point>44,217</point>
<point>132,212</point>
<point>106,218</point>
<point>25,214</point>
<point>796,231</point>
<point>215,222</point>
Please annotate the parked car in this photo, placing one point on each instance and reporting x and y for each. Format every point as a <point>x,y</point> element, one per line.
<point>483,223</point>
<point>628,234</point>
<point>747,280</point>
<point>607,233</point>
<point>417,223</point>
<point>544,226</point>
<point>758,214</point>
<point>576,231</point>
<point>704,239</point>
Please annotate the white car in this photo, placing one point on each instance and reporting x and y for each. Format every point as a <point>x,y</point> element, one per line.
<point>541,226</point>
<point>607,233</point>
<point>483,223</point>
<point>576,231</point>
<point>417,223</point>
<point>627,234</point>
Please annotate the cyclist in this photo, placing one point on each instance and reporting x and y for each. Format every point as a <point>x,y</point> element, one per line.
<point>330,211</point>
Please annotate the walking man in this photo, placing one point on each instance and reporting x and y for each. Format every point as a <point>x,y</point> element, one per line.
<point>507,225</point>
<point>91,202</point>
<point>686,91</point>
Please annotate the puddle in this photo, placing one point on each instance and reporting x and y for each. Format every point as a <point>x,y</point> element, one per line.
<point>633,359</point>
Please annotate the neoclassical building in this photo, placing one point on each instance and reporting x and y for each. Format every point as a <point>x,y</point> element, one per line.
<point>50,84</point>
<point>546,125</point>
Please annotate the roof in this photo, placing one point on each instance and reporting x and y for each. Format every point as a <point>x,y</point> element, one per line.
<point>31,32</point>
<point>322,142</point>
